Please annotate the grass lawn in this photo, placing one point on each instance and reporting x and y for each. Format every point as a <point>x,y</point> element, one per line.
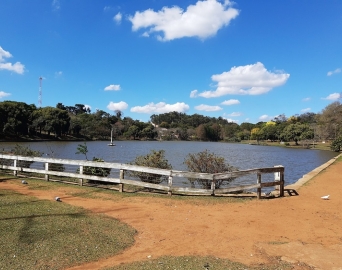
<point>39,234</point>
<point>194,262</point>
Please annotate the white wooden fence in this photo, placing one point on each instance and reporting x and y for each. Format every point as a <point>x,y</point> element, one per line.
<point>10,162</point>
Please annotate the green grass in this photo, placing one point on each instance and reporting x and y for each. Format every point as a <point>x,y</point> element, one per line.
<point>195,262</point>
<point>40,234</point>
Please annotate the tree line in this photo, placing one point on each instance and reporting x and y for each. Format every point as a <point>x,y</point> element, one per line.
<point>20,119</point>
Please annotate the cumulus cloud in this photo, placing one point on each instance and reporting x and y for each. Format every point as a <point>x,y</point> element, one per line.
<point>87,107</point>
<point>234,114</point>
<point>193,93</point>
<point>208,108</point>
<point>161,107</point>
<point>265,118</point>
<point>201,20</point>
<point>338,70</point>
<point>117,18</point>
<point>4,94</point>
<point>306,99</point>
<point>246,80</point>
<point>230,102</point>
<point>113,87</point>
<point>231,120</point>
<point>333,96</point>
<point>17,67</point>
<point>305,110</point>
<point>117,106</point>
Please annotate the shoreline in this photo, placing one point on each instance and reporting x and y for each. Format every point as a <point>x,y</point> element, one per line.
<point>307,177</point>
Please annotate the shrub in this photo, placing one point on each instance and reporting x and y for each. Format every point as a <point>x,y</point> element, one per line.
<point>336,145</point>
<point>98,171</point>
<point>205,162</point>
<point>155,159</point>
<point>24,151</point>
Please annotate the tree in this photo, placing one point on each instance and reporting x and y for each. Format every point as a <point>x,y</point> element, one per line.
<point>206,162</point>
<point>296,132</point>
<point>155,159</point>
<point>256,134</point>
<point>336,144</point>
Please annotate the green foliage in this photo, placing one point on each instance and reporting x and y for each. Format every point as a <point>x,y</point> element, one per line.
<point>82,149</point>
<point>206,162</point>
<point>24,151</point>
<point>336,144</point>
<point>98,171</point>
<point>155,159</point>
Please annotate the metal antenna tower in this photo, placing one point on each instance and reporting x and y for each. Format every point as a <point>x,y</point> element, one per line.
<point>40,92</point>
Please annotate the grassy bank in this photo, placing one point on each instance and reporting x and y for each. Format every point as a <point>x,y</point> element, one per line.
<point>39,234</point>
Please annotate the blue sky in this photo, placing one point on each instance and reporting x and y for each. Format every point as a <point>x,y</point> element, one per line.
<point>246,61</point>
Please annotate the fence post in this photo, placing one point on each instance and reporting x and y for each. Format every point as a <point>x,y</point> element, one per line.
<point>213,185</point>
<point>277,176</point>
<point>15,172</point>
<point>170,186</point>
<point>46,169</point>
<point>259,189</point>
<point>81,179</point>
<point>122,176</point>
<point>282,184</point>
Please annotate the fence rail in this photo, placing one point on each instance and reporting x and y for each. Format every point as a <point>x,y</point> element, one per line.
<point>22,164</point>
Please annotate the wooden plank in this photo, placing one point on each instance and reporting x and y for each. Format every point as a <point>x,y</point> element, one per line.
<point>236,188</point>
<point>144,184</point>
<point>191,190</point>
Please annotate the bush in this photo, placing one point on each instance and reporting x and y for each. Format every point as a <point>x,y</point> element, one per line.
<point>24,151</point>
<point>98,171</point>
<point>336,144</point>
<point>155,159</point>
<point>205,162</point>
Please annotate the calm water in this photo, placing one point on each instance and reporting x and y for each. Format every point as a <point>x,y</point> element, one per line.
<point>297,162</point>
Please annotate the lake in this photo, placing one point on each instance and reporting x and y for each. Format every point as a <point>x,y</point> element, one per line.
<point>297,162</point>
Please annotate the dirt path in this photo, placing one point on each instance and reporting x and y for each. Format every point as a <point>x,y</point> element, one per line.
<point>301,228</point>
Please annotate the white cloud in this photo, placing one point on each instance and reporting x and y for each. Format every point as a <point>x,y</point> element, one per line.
<point>113,87</point>
<point>161,107</point>
<point>193,93</point>
<point>17,67</point>
<point>117,106</point>
<point>208,108</point>
<point>246,80</point>
<point>265,118</point>
<point>58,74</point>
<point>201,20</point>
<point>333,96</point>
<point>338,70</point>
<point>117,18</point>
<point>305,110</point>
<point>306,99</point>
<point>230,102</point>
<point>234,114</point>
<point>232,120</point>
<point>87,106</point>
<point>4,94</point>
<point>56,4</point>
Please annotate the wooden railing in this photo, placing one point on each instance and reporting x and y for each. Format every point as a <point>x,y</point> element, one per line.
<point>10,162</point>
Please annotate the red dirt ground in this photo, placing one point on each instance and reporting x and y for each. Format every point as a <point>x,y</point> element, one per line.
<point>302,229</point>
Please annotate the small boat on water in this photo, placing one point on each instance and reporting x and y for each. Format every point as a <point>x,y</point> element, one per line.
<point>111,139</point>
